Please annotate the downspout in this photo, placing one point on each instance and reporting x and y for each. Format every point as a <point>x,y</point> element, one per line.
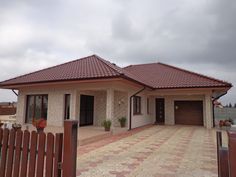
<point>130,106</point>
<point>14,92</point>
<point>213,107</point>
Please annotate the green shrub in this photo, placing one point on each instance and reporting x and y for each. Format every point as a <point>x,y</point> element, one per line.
<point>122,121</point>
<point>106,124</point>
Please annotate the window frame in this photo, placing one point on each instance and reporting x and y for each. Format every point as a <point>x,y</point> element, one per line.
<point>67,114</point>
<point>137,105</point>
<point>34,104</point>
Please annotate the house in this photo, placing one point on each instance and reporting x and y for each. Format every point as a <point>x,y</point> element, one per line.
<point>92,89</point>
<point>7,108</point>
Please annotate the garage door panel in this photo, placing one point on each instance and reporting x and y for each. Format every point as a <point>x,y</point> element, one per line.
<point>189,112</point>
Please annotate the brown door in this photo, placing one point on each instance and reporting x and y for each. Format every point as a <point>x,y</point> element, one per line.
<point>189,112</point>
<point>160,110</point>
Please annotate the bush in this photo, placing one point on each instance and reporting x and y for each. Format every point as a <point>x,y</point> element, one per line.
<point>122,121</point>
<point>106,124</point>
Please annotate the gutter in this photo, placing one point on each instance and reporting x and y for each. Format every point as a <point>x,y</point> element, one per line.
<point>213,106</point>
<point>130,106</point>
<point>14,92</point>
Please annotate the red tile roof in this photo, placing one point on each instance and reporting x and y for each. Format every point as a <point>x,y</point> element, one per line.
<point>155,75</point>
<point>91,67</point>
<point>159,75</point>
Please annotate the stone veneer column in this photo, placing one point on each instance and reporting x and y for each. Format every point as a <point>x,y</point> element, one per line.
<point>74,106</point>
<point>208,111</point>
<point>110,105</point>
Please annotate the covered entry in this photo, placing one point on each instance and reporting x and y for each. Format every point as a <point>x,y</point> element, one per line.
<point>86,110</point>
<point>188,112</point>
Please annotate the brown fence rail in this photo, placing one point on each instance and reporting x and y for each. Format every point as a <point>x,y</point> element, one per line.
<point>35,154</point>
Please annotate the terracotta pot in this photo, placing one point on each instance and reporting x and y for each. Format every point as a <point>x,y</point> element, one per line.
<point>107,129</point>
<point>122,124</point>
<point>40,130</point>
<point>16,128</point>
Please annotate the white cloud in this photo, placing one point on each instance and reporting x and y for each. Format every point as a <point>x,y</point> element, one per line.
<point>197,35</point>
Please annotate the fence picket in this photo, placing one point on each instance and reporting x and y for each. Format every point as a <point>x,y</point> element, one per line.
<point>24,159</point>
<point>10,153</point>
<point>17,153</point>
<point>4,152</point>
<point>33,151</point>
<point>41,152</point>
<point>58,154</point>
<point>49,152</point>
<point>1,136</point>
<point>35,154</point>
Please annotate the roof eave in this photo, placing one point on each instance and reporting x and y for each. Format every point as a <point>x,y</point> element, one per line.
<point>226,86</point>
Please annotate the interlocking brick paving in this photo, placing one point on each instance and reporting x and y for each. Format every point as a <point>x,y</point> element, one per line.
<point>158,151</point>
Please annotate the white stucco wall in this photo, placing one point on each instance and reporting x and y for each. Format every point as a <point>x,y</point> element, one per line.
<point>191,95</point>
<point>120,106</point>
<point>144,118</point>
<point>121,91</point>
<point>56,101</point>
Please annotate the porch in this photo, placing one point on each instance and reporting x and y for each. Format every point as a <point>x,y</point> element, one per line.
<point>86,134</point>
<point>92,106</point>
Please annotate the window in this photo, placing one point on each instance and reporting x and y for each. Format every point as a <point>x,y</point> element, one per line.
<point>36,107</point>
<point>67,106</point>
<point>148,106</point>
<point>137,105</point>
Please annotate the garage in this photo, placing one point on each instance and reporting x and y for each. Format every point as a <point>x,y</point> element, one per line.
<point>188,112</point>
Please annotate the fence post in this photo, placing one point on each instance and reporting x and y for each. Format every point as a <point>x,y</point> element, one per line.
<point>70,148</point>
<point>232,152</point>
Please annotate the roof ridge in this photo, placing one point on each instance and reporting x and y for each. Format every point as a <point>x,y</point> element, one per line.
<point>140,64</point>
<point>195,73</point>
<point>44,69</point>
<point>109,64</point>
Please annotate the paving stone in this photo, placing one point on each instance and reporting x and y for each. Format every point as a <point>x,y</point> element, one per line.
<point>158,151</point>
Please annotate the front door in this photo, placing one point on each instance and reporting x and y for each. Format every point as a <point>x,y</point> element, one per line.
<point>86,110</point>
<point>160,110</point>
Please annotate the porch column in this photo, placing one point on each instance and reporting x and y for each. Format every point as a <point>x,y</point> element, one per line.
<point>74,105</point>
<point>208,111</point>
<point>110,105</point>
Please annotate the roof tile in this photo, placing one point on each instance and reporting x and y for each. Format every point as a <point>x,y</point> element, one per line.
<point>153,75</point>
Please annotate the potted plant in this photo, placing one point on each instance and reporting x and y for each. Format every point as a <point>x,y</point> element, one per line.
<point>39,124</point>
<point>122,121</point>
<point>107,125</point>
<point>225,123</point>
<point>16,126</point>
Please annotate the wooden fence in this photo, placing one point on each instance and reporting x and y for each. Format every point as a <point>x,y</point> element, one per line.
<point>226,155</point>
<point>7,110</point>
<point>35,154</point>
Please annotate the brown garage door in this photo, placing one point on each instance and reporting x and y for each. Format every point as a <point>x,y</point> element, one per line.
<point>189,112</point>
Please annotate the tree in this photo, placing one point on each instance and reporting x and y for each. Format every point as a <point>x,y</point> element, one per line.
<point>235,105</point>
<point>230,105</point>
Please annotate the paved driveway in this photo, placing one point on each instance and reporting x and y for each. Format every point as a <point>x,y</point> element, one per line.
<point>159,151</point>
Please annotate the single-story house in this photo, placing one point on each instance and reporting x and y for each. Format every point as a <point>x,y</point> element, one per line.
<point>92,89</point>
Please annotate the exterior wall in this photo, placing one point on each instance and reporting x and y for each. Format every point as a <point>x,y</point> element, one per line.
<point>99,105</point>
<point>56,100</point>
<point>120,106</point>
<point>55,104</point>
<point>169,106</point>
<point>144,118</point>
<point>171,96</point>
